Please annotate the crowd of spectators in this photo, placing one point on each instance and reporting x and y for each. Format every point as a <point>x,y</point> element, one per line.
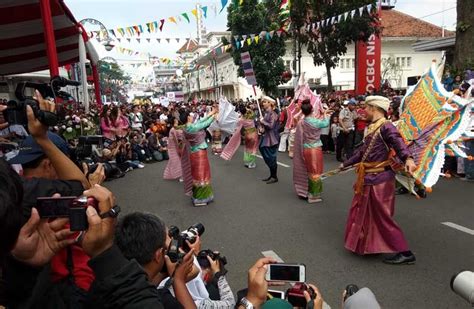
<point>113,263</point>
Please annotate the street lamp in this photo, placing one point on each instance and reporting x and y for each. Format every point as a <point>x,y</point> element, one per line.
<point>107,41</point>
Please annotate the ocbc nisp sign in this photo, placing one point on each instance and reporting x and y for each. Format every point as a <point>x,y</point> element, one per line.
<point>368,65</point>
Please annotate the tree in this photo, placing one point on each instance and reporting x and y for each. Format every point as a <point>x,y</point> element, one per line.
<point>253,17</point>
<point>329,42</point>
<point>112,78</point>
<point>391,71</point>
<point>464,51</point>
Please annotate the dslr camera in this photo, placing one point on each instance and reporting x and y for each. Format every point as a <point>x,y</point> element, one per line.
<point>72,207</point>
<point>215,256</point>
<point>178,240</point>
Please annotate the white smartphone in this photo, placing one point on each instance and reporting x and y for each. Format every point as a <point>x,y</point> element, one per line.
<point>277,294</point>
<point>286,272</point>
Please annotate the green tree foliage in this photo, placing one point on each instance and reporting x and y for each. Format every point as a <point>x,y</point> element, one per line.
<point>253,17</point>
<point>112,78</point>
<point>329,43</point>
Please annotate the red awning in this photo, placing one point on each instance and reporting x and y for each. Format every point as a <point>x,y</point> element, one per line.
<point>22,42</point>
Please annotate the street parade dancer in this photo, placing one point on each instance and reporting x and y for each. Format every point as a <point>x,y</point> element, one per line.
<point>195,163</point>
<point>308,154</point>
<point>269,140</point>
<point>247,125</point>
<point>176,138</point>
<point>370,227</point>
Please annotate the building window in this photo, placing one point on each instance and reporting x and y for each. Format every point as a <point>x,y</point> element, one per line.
<point>404,62</point>
<point>342,63</point>
<point>353,63</point>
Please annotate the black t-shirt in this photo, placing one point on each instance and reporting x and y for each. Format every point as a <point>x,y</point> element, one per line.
<point>42,187</point>
<point>168,300</point>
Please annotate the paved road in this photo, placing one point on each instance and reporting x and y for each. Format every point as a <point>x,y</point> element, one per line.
<point>249,217</point>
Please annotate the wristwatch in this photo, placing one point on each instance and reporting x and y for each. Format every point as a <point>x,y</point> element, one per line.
<point>246,303</point>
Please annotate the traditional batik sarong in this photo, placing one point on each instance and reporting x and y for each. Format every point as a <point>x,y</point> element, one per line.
<point>195,163</point>
<point>246,124</point>
<point>173,168</point>
<point>308,158</point>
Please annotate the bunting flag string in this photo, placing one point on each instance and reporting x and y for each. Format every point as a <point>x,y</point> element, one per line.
<point>341,17</point>
<point>154,26</point>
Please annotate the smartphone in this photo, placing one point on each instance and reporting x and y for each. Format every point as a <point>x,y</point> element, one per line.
<point>286,272</point>
<point>277,294</point>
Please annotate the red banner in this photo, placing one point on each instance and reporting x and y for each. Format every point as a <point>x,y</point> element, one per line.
<point>368,65</point>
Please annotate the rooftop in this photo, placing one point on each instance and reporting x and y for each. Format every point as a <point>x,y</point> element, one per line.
<point>398,24</point>
<point>188,47</point>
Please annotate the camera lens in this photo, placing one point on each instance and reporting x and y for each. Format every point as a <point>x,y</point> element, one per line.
<point>173,231</point>
<point>199,228</point>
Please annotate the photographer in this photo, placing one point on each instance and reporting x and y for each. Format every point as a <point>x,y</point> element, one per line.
<point>258,288</point>
<point>144,238</point>
<point>47,170</point>
<point>216,274</point>
<point>157,148</point>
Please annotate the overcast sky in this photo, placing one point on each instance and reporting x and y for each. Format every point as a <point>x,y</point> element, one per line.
<point>122,13</point>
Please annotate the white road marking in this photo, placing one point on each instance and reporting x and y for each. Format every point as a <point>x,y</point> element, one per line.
<point>272,254</point>
<point>279,163</point>
<point>459,227</point>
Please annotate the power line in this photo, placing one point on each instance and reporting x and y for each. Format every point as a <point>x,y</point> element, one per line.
<point>436,13</point>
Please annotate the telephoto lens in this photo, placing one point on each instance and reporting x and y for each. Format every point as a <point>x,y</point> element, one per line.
<point>463,285</point>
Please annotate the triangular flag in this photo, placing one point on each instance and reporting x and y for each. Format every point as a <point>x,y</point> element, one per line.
<point>236,37</point>
<point>263,34</point>
<point>177,40</point>
<point>318,24</point>
<point>172,19</point>
<point>141,28</point>
<point>155,26</point>
<point>249,41</point>
<point>237,44</point>
<point>119,39</point>
<point>252,36</point>
<point>204,10</point>
<point>168,40</point>
<point>129,39</point>
<point>241,2</point>
<point>162,22</point>
<point>137,29</point>
<point>353,13</point>
<point>346,14</point>
<point>224,3</point>
<point>361,10</point>
<point>257,38</point>
<point>272,33</point>
<point>112,32</point>
<point>185,15</point>
<point>279,32</point>
<point>333,20</point>
<point>158,40</point>
<point>138,40</point>
<point>148,39</point>
<point>369,8</point>
<point>244,37</point>
<point>268,36</point>
<point>148,26</point>
<point>195,13</point>
<point>339,18</point>
<point>242,43</point>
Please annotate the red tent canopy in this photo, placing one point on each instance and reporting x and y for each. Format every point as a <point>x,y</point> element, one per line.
<point>22,40</point>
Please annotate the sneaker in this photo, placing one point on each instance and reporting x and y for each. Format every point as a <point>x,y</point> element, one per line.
<point>141,165</point>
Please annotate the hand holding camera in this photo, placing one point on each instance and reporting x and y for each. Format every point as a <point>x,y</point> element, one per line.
<point>257,285</point>
<point>100,234</point>
<point>39,240</point>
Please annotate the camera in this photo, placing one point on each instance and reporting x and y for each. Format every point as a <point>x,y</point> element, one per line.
<point>216,256</point>
<point>16,113</point>
<point>178,240</point>
<point>295,295</point>
<point>71,207</point>
<point>462,284</point>
<point>90,146</point>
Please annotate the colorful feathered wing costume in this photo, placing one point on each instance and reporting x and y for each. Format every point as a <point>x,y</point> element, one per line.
<point>431,118</point>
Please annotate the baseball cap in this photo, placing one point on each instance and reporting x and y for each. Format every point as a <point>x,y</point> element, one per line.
<point>30,150</point>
